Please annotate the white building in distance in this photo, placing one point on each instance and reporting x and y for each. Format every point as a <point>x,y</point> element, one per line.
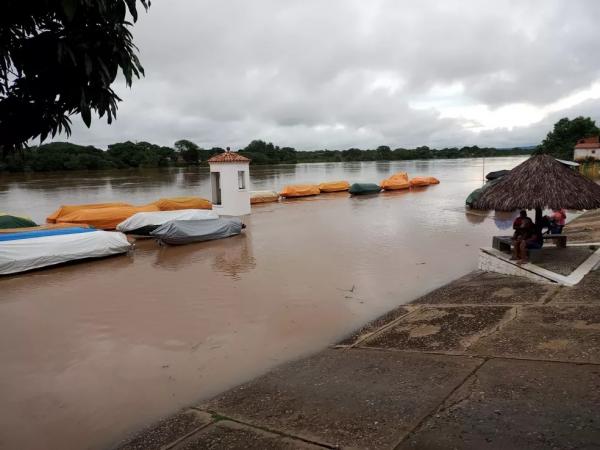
<point>229,182</point>
<point>587,148</point>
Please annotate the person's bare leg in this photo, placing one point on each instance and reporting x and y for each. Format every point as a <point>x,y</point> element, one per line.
<point>515,249</point>
<point>524,259</point>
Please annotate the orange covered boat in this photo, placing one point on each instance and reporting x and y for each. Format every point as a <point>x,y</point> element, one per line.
<point>396,181</point>
<point>300,190</point>
<point>334,186</point>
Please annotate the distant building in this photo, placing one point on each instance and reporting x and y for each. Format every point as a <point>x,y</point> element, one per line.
<point>587,148</point>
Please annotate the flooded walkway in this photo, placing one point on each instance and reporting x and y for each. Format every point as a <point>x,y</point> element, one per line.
<point>93,352</point>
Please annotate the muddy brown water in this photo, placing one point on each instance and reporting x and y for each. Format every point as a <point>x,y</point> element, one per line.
<point>92,352</point>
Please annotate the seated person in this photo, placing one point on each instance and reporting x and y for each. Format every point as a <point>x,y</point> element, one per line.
<point>526,238</point>
<point>519,220</point>
<point>557,221</point>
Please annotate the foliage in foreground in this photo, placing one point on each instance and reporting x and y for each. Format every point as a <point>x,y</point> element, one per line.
<point>67,156</point>
<point>59,58</point>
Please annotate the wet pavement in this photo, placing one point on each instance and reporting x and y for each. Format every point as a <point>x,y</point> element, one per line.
<point>519,373</point>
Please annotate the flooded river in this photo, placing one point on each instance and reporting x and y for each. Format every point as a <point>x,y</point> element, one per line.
<point>92,352</point>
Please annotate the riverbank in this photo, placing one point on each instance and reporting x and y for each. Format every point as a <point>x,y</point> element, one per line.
<point>486,361</point>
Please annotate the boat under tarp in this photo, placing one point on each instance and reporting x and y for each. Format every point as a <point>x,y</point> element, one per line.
<point>104,218</point>
<point>178,232</point>
<point>47,226</point>
<point>68,209</point>
<point>423,181</point>
<point>8,221</point>
<point>144,222</point>
<point>300,190</point>
<point>364,188</point>
<point>496,174</point>
<point>395,182</point>
<point>334,186</point>
<point>263,197</point>
<point>21,252</point>
<point>179,203</point>
<point>474,196</point>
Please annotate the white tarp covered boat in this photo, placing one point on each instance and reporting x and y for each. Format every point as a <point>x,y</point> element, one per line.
<point>26,251</point>
<point>179,232</point>
<point>145,222</point>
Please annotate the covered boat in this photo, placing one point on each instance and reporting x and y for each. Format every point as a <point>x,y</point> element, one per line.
<point>178,232</point>
<point>496,174</point>
<point>476,194</point>
<point>47,226</point>
<point>144,222</point>
<point>263,197</point>
<point>68,209</point>
<point>364,188</point>
<point>300,190</point>
<point>423,181</point>
<point>178,203</point>
<point>104,218</point>
<point>8,222</point>
<point>397,181</point>
<point>334,186</point>
<point>20,252</point>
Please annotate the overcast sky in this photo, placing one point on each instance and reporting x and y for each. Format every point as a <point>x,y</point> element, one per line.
<point>358,73</point>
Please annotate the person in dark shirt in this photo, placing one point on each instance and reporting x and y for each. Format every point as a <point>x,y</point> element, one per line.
<point>519,220</point>
<point>527,237</point>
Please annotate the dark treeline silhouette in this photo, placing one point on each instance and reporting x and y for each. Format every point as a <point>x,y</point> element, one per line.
<point>67,156</point>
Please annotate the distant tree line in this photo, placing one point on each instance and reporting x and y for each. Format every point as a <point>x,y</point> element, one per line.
<point>67,156</point>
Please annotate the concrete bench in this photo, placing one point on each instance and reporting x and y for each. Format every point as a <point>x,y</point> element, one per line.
<point>503,243</point>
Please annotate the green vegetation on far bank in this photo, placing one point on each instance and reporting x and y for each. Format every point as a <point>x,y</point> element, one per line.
<point>66,156</point>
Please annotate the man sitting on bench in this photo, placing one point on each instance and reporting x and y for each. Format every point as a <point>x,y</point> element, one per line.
<point>526,237</point>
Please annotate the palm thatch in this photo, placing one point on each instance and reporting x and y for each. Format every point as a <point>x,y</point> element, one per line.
<point>538,183</point>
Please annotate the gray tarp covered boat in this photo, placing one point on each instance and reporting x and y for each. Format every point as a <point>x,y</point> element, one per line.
<point>178,232</point>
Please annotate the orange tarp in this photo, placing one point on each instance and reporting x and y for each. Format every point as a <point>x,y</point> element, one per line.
<point>334,186</point>
<point>48,226</point>
<point>177,203</point>
<point>423,181</point>
<point>300,190</point>
<point>106,218</point>
<point>68,209</point>
<point>398,180</point>
<point>263,197</point>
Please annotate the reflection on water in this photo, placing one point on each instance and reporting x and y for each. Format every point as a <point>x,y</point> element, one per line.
<point>92,351</point>
<point>232,256</point>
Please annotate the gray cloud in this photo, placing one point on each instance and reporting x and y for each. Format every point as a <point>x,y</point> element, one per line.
<point>344,73</point>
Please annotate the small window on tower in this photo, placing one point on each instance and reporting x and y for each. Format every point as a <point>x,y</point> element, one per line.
<point>241,179</point>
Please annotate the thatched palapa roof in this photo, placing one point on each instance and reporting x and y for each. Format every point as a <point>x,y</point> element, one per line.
<point>541,182</point>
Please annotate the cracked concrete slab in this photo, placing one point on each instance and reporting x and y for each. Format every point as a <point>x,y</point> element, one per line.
<point>359,398</point>
<point>168,430</point>
<point>440,329</point>
<point>586,291</point>
<point>230,435</point>
<point>564,333</point>
<point>374,325</point>
<point>531,405</point>
<point>487,288</point>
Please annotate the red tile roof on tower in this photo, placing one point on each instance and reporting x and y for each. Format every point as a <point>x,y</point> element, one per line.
<point>228,157</point>
<point>591,142</point>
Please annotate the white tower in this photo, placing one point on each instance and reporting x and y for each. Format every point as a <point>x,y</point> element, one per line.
<point>229,182</point>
